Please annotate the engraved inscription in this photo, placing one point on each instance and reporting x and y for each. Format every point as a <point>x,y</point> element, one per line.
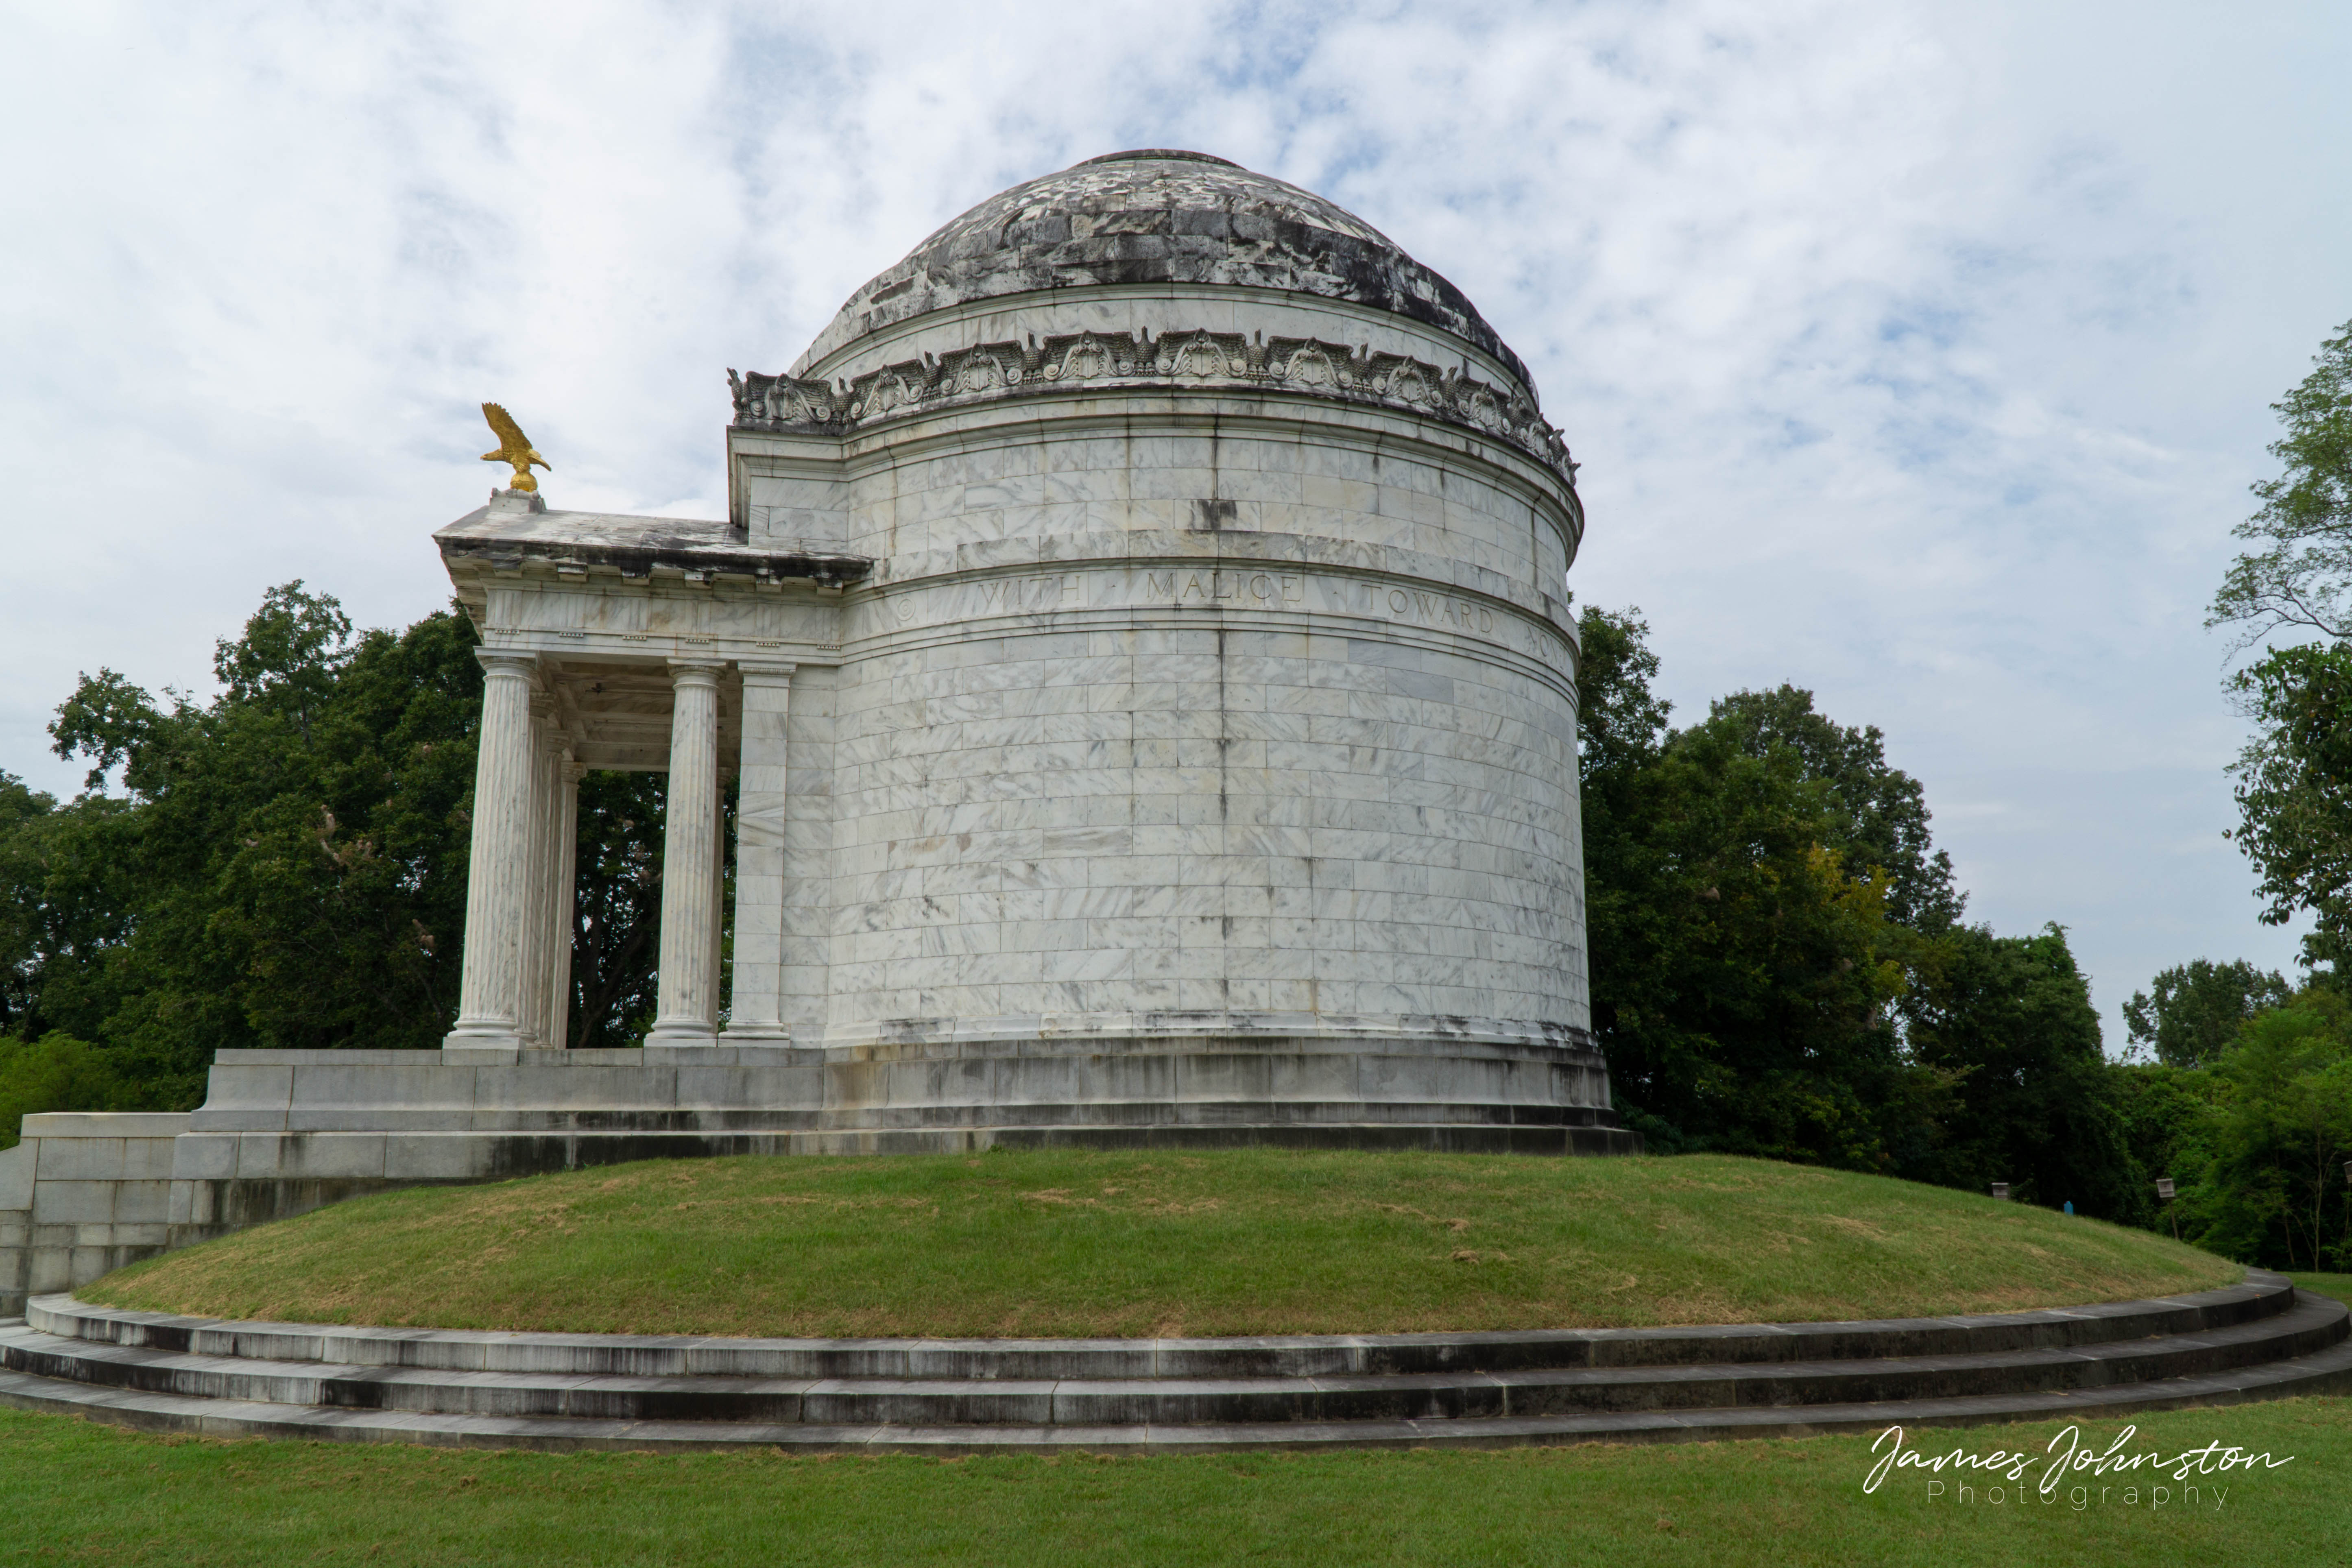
<point>1217,586</point>
<point>1060,591</point>
<point>1438,610</point>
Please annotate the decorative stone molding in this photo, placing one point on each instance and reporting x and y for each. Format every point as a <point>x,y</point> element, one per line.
<point>1066,362</point>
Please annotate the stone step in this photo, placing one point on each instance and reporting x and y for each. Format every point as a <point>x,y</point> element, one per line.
<point>2311,1324</point>
<point>2259,1295</point>
<point>2322,1371</point>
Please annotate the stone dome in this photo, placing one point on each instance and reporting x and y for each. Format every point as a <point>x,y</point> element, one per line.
<point>1159,217</point>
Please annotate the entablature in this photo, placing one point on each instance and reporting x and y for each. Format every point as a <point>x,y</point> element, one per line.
<point>516,535</point>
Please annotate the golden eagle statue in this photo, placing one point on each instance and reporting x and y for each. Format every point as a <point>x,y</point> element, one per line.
<point>514,448</point>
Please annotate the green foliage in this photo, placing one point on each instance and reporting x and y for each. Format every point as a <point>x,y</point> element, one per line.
<point>1778,965</point>
<point>1741,979</point>
<point>617,914</point>
<point>2192,1011</point>
<point>286,864</point>
<point>24,818</point>
<point>2009,1021</point>
<point>2255,1137</point>
<point>57,1073</point>
<point>2294,779</point>
<point>2167,1115</point>
<point>288,868</point>
<point>2294,791</point>
<point>2301,574</point>
<point>1745,978</point>
<point>1621,724</point>
<point>2281,1136</point>
<point>1879,823</point>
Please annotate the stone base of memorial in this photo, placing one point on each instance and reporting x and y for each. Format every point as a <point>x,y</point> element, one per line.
<point>2258,1340</point>
<point>282,1132</point>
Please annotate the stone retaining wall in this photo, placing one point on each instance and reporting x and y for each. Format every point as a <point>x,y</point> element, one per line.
<point>83,1194</point>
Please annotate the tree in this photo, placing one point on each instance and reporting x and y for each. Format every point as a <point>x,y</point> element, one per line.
<point>2197,1008</point>
<point>1881,824</point>
<point>2169,1115</point>
<point>2302,574</point>
<point>57,1073</point>
<point>616,919</point>
<point>286,864</point>
<point>2009,1021</point>
<point>1620,722</point>
<point>2284,1131</point>
<point>1778,966</point>
<point>2294,791</point>
<point>1742,971</point>
<point>24,812</point>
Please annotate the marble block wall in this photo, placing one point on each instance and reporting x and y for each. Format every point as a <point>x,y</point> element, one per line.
<point>1203,708</point>
<point>1141,624</point>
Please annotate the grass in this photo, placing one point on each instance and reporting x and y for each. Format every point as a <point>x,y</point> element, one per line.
<point>1073,1244</point>
<point>2336,1285</point>
<point>79,1493</point>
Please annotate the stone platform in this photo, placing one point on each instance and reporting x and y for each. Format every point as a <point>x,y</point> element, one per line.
<point>282,1132</point>
<point>2261,1339</point>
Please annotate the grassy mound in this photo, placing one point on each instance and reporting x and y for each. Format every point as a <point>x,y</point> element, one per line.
<point>1076,1244</point>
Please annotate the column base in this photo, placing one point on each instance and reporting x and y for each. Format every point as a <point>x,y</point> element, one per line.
<point>681,1037</point>
<point>755,1034</point>
<point>467,1036</point>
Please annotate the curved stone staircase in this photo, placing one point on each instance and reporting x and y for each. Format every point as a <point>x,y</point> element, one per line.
<point>2258,1340</point>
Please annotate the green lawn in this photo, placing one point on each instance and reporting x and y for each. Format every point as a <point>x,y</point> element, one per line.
<point>72,1492</point>
<point>1248,1241</point>
<point>2336,1285</point>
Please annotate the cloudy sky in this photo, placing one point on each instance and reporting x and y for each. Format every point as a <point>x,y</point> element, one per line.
<point>1918,354</point>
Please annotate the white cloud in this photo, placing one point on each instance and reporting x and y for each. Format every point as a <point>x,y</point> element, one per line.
<point>1916,354</point>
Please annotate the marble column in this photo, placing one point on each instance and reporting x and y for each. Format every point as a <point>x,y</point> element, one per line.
<point>755,1008</point>
<point>547,927</point>
<point>685,982</point>
<point>718,900</point>
<point>567,891</point>
<point>489,989</point>
<point>530,1020</point>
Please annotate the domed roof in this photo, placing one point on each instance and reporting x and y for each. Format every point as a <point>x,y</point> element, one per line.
<point>1158,215</point>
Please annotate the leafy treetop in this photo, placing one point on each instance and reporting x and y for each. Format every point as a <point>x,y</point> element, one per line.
<point>2301,574</point>
<point>2192,1011</point>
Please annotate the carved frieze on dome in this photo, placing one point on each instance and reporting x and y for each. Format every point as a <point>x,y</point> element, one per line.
<point>1071,363</point>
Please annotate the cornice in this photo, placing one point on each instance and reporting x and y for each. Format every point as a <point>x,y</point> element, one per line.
<point>1069,363</point>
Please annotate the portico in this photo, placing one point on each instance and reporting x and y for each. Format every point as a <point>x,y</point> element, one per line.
<point>642,645</point>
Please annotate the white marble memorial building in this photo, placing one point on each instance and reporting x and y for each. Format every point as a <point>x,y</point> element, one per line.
<point>1139,641</point>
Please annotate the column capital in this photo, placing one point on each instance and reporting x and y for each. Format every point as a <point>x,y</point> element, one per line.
<point>697,672</point>
<point>772,668</point>
<point>507,661</point>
